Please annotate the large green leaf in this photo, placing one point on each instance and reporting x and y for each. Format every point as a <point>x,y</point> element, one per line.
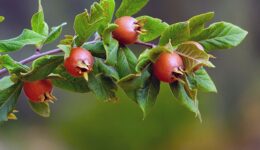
<point>130,7</point>
<point>176,34</point>
<point>106,70</point>
<point>97,49</point>
<point>37,22</point>
<point>108,13</point>
<point>85,24</point>
<point>126,62</point>
<point>103,87</point>
<point>141,89</point>
<point>28,37</point>
<point>42,67</point>
<point>68,82</point>
<point>183,97</point>
<point>201,80</point>
<point>193,56</point>
<point>109,8</point>
<point>8,100</point>
<point>197,23</point>
<point>155,27</point>
<point>42,109</point>
<point>54,34</point>
<point>221,35</point>
<point>12,66</point>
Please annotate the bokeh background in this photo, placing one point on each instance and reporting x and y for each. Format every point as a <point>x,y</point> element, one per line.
<point>231,118</point>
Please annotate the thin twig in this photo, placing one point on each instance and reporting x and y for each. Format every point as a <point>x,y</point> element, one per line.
<point>150,45</point>
<point>56,51</point>
<point>33,57</point>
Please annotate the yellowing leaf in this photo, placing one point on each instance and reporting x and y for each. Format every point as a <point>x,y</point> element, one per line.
<point>193,56</point>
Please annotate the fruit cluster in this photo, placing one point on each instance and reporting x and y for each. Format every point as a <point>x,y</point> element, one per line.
<point>103,65</point>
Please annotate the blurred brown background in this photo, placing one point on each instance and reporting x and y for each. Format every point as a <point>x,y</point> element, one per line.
<point>81,122</point>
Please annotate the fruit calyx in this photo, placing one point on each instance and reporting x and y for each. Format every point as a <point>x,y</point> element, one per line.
<point>79,63</point>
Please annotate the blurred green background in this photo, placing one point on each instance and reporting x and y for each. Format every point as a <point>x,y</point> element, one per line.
<point>231,118</point>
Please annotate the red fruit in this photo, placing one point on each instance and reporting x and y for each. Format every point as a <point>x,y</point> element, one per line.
<point>79,62</point>
<point>39,91</point>
<point>127,31</point>
<point>168,67</point>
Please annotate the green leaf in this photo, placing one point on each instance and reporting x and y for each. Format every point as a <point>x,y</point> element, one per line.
<point>12,66</point>
<point>54,34</point>
<point>68,40</point>
<point>130,7</point>
<point>66,49</point>
<point>5,83</point>
<point>183,98</point>
<point>149,56</point>
<point>28,37</point>
<point>193,56</point>
<point>42,109</point>
<point>107,34</point>
<point>103,87</point>
<point>221,35</point>
<point>202,81</point>
<point>109,8</point>
<point>111,52</point>
<point>197,23</point>
<point>101,67</point>
<point>2,18</point>
<point>85,24</point>
<point>97,49</point>
<point>176,34</point>
<point>68,82</point>
<point>42,67</point>
<point>111,45</point>
<point>8,100</point>
<point>155,27</point>
<point>142,89</point>
<point>126,62</point>
<point>37,22</point>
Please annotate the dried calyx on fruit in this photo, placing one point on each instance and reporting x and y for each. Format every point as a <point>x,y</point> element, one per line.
<point>168,67</point>
<point>39,91</point>
<point>128,30</point>
<point>79,63</point>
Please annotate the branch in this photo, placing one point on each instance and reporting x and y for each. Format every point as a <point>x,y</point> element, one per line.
<point>56,51</point>
<point>150,45</point>
<point>33,57</point>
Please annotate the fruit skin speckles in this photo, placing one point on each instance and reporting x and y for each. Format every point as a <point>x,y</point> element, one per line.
<point>127,31</point>
<point>79,62</point>
<point>168,67</point>
<point>39,91</point>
